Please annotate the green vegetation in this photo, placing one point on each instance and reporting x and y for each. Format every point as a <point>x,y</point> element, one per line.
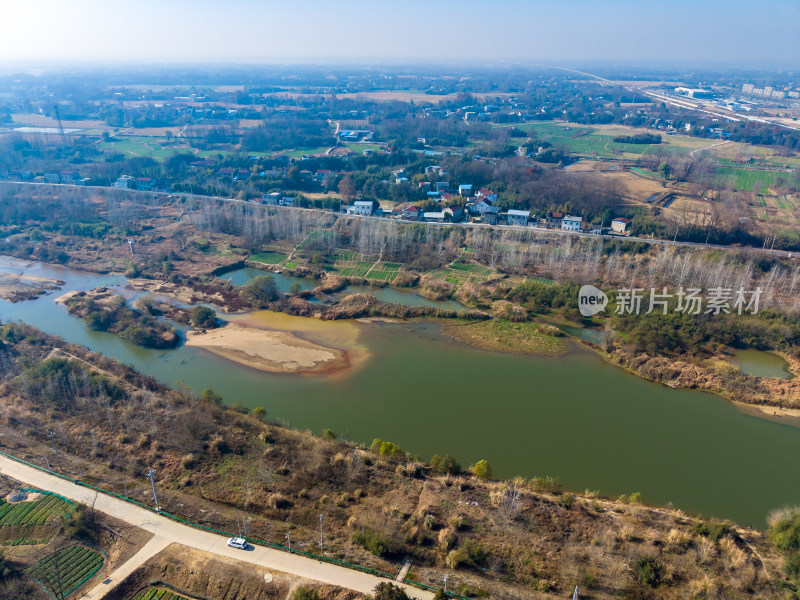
<point>746,180</point>
<point>639,138</point>
<point>268,258</point>
<point>203,316</point>
<point>502,335</point>
<point>388,591</point>
<point>303,592</point>
<point>142,327</point>
<point>154,593</point>
<point>649,570</point>
<point>376,542</point>
<point>47,509</point>
<point>482,469</point>
<point>64,571</point>
<point>259,291</point>
<point>445,464</point>
<point>60,381</point>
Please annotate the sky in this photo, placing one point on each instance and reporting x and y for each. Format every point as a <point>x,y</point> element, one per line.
<point>751,33</point>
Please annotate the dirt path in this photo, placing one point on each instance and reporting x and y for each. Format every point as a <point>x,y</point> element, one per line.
<point>696,150</point>
<point>155,545</point>
<point>173,531</point>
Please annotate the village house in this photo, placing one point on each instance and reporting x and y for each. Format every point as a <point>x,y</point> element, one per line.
<point>433,170</point>
<point>52,177</point>
<point>486,194</point>
<point>621,225</point>
<point>465,190</point>
<point>554,220</point>
<point>455,213</point>
<point>570,223</point>
<point>425,185</point>
<point>360,207</point>
<point>69,177</point>
<point>592,228</point>
<point>442,186</point>
<point>273,198</point>
<point>287,201</point>
<point>482,207</point>
<point>518,217</point>
<point>433,217</point>
<point>125,182</point>
<point>145,184</point>
<point>411,213</point>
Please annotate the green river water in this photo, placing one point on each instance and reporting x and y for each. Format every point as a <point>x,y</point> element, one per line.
<point>575,417</point>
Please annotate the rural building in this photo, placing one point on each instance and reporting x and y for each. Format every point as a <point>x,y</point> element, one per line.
<point>52,178</point>
<point>620,225</point>
<point>411,213</point>
<point>360,207</point>
<point>570,223</point>
<point>433,217</point>
<point>465,189</point>
<point>442,186</point>
<point>425,185</point>
<point>273,198</point>
<point>554,219</point>
<point>694,92</point>
<point>590,228</point>
<point>145,184</point>
<point>518,217</point>
<point>287,201</point>
<point>124,182</point>
<point>484,194</point>
<point>455,213</point>
<point>433,169</point>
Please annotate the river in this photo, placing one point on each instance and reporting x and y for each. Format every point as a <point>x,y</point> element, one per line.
<point>575,416</point>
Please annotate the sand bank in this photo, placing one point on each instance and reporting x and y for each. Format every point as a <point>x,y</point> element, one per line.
<point>16,287</point>
<point>272,351</point>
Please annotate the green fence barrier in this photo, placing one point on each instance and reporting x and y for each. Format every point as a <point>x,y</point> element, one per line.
<point>254,541</point>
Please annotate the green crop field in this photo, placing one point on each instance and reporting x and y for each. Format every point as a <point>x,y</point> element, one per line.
<point>133,146</point>
<point>45,510</point>
<point>354,268</point>
<point>157,594</point>
<point>478,270</point>
<point>746,180</point>
<point>268,258</point>
<point>66,570</point>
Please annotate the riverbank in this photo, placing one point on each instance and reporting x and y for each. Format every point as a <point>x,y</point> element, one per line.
<point>15,287</point>
<point>217,464</point>
<point>270,351</point>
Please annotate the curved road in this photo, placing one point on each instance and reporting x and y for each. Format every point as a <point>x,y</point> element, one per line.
<point>169,531</point>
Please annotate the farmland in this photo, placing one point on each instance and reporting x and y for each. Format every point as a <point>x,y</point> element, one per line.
<point>154,593</point>
<point>460,272</point>
<point>746,180</point>
<point>268,258</point>
<point>45,510</point>
<point>64,571</point>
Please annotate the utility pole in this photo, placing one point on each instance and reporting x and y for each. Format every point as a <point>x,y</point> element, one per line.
<point>321,541</point>
<point>55,447</point>
<point>150,475</point>
<point>289,539</point>
<point>446,575</point>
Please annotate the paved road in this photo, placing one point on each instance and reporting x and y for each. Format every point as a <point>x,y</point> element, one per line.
<point>563,232</point>
<point>154,545</point>
<point>171,531</point>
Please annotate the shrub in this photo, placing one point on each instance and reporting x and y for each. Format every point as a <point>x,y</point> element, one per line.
<point>566,501</point>
<point>328,434</point>
<point>376,542</point>
<point>385,448</point>
<point>545,484</point>
<point>259,291</point>
<point>305,593</point>
<point>649,570</point>
<point>211,396</point>
<point>482,469</point>
<point>260,413</point>
<point>203,316</point>
<point>387,591</point>
<point>444,465</point>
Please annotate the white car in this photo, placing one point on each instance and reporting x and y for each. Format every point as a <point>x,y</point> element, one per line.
<point>236,542</point>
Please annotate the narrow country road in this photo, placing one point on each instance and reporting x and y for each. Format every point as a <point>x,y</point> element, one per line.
<point>170,531</point>
<point>153,546</point>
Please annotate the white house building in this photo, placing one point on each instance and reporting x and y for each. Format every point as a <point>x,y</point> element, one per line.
<point>570,223</point>
<point>360,207</point>
<point>124,182</point>
<point>620,225</point>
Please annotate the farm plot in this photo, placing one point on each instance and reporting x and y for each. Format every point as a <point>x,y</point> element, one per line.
<point>268,258</point>
<point>746,180</point>
<point>357,268</point>
<point>154,593</point>
<point>385,271</point>
<point>461,272</point>
<point>39,512</point>
<point>66,570</point>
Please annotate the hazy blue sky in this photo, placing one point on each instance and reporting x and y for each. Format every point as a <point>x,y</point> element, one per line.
<point>766,31</point>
